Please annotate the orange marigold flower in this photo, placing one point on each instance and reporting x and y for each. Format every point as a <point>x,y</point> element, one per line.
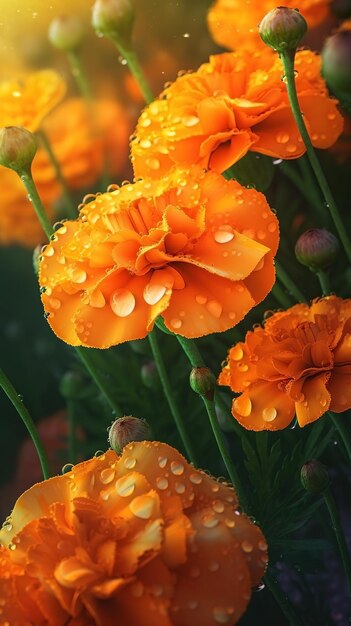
<point>192,247</point>
<point>26,102</point>
<point>298,363</point>
<point>233,23</point>
<point>143,538</point>
<point>85,144</point>
<point>235,103</point>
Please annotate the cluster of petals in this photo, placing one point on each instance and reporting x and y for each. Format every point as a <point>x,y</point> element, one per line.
<point>192,247</point>
<point>299,364</point>
<point>137,539</point>
<point>26,102</point>
<point>234,103</point>
<point>88,140</point>
<point>233,23</point>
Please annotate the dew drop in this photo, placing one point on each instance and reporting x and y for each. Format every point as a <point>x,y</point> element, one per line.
<point>142,507</point>
<point>129,462</point>
<point>291,148</point>
<point>236,353</point>
<point>162,483</point>
<point>215,308</point>
<point>177,468</point>
<point>282,138</point>
<point>246,546</point>
<point>220,615</point>
<point>67,468</point>
<point>214,566</point>
<point>201,299</point>
<point>98,453</point>
<point>153,163</point>
<point>55,303</point>
<point>218,506</point>
<point>209,521</point>
<point>97,299</point>
<point>107,475</point>
<point>122,302</point>
<point>224,234</point>
<point>196,479</point>
<point>272,227</point>
<point>180,488</point>
<point>176,323</point>
<point>269,415</point>
<point>78,276</point>
<point>125,486</point>
<point>7,525</point>
<point>154,293</point>
<point>242,405</point>
<point>162,461</point>
<point>190,120</point>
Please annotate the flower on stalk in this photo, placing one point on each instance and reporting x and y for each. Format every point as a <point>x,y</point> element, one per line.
<point>233,23</point>
<point>128,429</point>
<point>27,102</point>
<point>18,147</point>
<point>235,103</point>
<point>143,538</point>
<point>66,32</point>
<point>317,248</point>
<point>282,29</point>
<point>314,477</point>
<point>298,363</point>
<point>192,247</point>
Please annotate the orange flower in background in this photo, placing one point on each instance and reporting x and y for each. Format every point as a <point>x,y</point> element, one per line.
<point>88,143</point>
<point>143,538</point>
<point>298,363</point>
<point>193,247</point>
<point>233,23</point>
<point>26,102</point>
<point>235,103</point>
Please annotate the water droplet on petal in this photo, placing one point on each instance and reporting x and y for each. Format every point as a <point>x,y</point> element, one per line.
<point>269,415</point>
<point>154,293</point>
<point>176,323</point>
<point>129,462</point>
<point>122,302</point>
<point>247,546</point>
<point>242,405</point>
<point>78,276</point>
<point>162,483</point>
<point>220,615</point>
<point>107,475</point>
<point>97,299</point>
<point>177,468</point>
<point>282,138</point>
<point>215,308</point>
<point>196,479</point>
<point>67,468</point>
<point>125,486</point>
<point>236,353</point>
<point>142,506</point>
<point>224,234</point>
<point>201,299</point>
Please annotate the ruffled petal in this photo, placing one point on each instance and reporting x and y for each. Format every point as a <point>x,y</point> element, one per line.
<point>263,406</point>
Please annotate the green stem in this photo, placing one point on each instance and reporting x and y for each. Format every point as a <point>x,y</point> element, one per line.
<point>280,296</point>
<point>287,168</point>
<point>342,430</point>
<point>79,75</point>
<point>134,66</point>
<point>339,533</point>
<point>17,402</point>
<point>196,360</point>
<point>71,418</point>
<point>287,58</point>
<point>71,209</point>
<point>96,374</point>
<point>324,282</point>
<point>167,389</point>
<point>34,197</point>
<point>282,600</point>
<point>284,278</point>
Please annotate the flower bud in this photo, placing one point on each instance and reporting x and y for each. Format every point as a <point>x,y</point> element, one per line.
<point>66,32</point>
<point>149,375</point>
<point>203,382</point>
<point>127,429</point>
<point>283,28</point>
<point>71,385</point>
<point>18,147</point>
<point>314,477</point>
<point>114,19</point>
<point>341,8</point>
<point>336,63</point>
<point>317,248</point>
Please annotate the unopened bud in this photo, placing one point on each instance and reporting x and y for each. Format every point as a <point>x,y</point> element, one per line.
<point>127,429</point>
<point>336,63</point>
<point>314,477</point>
<point>317,248</point>
<point>18,147</point>
<point>203,382</point>
<point>66,32</point>
<point>283,28</point>
<point>114,19</point>
<point>149,375</point>
<point>71,385</point>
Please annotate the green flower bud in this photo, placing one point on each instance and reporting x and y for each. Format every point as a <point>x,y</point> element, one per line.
<point>149,375</point>
<point>127,429</point>
<point>203,382</point>
<point>114,19</point>
<point>71,385</point>
<point>317,248</point>
<point>18,147</point>
<point>341,8</point>
<point>336,63</point>
<point>314,477</point>
<point>66,32</point>
<point>283,28</point>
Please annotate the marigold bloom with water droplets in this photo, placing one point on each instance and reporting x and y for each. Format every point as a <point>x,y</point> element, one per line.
<point>143,538</point>
<point>192,247</point>
<point>235,103</point>
<point>299,364</point>
<point>26,102</point>
<point>233,23</point>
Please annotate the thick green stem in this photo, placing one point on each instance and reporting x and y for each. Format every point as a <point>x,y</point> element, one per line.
<point>69,204</point>
<point>17,402</point>
<point>282,600</point>
<point>339,533</point>
<point>196,360</point>
<point>285,279</point>
<point>98,377</point>
<point>339,423</point>
<point>134,66</point>
<point>324,282</point>
<point>34,198</point>
<point>79,75</point>
<point>167,389</point>
<point>287,58</point>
